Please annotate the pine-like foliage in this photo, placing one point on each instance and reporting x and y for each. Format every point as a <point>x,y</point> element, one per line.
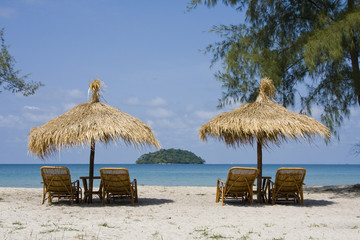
<point>310,48</point>
<point>9,77</point>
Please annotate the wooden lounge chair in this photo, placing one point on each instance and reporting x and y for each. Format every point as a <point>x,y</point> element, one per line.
<point>265,190</point>
<point>116,184</point>
<point>239,184</point>
<point>288,185</point>
<point>57,183</point>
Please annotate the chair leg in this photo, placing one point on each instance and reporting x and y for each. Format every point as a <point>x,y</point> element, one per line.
<point>273,197</point>
<point>132,199</point>
<point>103,197</point>
<point>72,198</point>
<point>135,191</point>
<point>136,197</point>
<point>263,197</point>
<point>44,194</point>
<point>222,197</point>
<point>77,196</point>
<point>217,195</point>
<point>44,197</point>
<point>302,198</point>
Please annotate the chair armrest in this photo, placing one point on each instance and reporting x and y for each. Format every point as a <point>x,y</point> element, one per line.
<point>76,184</point>
<point>220,182</point>
<point>271,183</point>
<point>134,182</point>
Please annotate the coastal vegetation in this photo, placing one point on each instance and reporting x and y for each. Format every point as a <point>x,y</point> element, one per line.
<point>10,79</point>
<point>310,49</point>
<point>170,156</point>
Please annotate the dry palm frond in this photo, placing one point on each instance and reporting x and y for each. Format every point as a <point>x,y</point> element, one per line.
<point>95,87</point>
<point>86,122</point>
<point>262,120</point>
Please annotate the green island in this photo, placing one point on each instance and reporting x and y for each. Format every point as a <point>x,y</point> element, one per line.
<point>170,156</point>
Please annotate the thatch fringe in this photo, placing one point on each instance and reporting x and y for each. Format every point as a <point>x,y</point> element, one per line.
<point>86,122</point>
<point>264,121</point>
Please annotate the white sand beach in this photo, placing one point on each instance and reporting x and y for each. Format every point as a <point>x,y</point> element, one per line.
<point>181,213</point>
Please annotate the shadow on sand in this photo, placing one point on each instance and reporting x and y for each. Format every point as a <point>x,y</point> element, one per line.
<point>342,190</point>
<point>317,203</point>
<point>307,203</point>
<point>153,201</point>
<point>117,203</point>
<point>346,191</point>
<point>241,203</point>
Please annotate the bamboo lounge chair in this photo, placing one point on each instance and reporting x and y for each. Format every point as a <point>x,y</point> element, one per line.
<point>239,184</point>
<point>288,185</point>
<point>116,184</point>
<point>57,183</point>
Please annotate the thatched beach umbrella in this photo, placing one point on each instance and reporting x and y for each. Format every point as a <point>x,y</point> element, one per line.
<point>263,121</point>
<point>86,124</point>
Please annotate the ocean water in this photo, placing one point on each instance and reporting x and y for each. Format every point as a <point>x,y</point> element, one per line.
<point>28,175</point>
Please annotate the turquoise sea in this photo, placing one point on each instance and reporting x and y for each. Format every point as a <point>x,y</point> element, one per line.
<point>28,175</point>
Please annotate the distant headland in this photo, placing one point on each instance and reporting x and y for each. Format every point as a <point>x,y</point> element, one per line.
<point>170,156</point>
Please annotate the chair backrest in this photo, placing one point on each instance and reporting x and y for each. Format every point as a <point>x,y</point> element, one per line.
<point>56,179</point>
<point>115,179</point>
<point>289,179</point>
<point>240,179</point>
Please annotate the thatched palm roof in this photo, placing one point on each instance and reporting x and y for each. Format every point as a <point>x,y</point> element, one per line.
<point>263,120</point>
<point>86,122</point>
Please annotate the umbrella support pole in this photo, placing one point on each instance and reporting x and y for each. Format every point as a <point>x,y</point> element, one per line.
<point>91,170</point>
<point>259,165</point>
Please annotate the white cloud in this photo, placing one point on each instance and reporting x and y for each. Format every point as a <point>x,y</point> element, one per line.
<point>159,113</point>
<point>133,101</point>
<point>157,102</point>
<point>150,123</point>
<point>75,93</point>
<point>63,95</point>
<point>16,140</point>
<point>6,12</point>
<point>189,107</point>
<point>38,118</point>
<point>35,114</point>
<point>206,115</point>
<point>31,108</point>
<point>10,121</point>
<point>69,106</point>
<point>173,123</point>
<point>27,118</point>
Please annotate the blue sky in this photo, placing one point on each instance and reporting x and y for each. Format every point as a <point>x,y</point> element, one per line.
<point>148,53</point>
